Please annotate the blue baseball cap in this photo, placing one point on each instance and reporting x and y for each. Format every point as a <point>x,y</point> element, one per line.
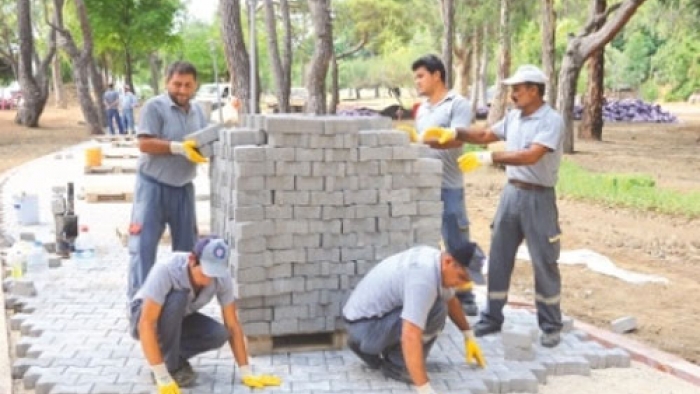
<point>212,253</point>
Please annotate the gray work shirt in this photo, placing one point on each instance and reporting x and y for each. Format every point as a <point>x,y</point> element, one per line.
<point>544,127</point>
<point>172,274</point>
<point>111,99</point>
<point>410,280</point>
<point>162,118</point>
<point>452,111</point>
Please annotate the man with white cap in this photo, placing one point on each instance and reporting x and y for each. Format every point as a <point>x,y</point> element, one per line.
<point>165,319</point>
<point>533,133</point>
<point>396,312</point>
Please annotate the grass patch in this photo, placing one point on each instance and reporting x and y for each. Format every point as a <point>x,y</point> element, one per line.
<point>637,191</point>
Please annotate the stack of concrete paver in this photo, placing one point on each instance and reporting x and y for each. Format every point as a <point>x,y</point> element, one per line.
<point>309,205</point>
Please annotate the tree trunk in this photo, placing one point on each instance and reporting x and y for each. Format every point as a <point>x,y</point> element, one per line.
<point>280,67</point>
<point>129,69</point>
<point>33,82</point>
<point>448,17</point>
<point>81,60</point>
<point>579,48</point>
<point>591,126</point>
<point>323,52</point>
<point>500,97</point>
<point>237,58</point>
<point>476,68</point>
<point>58,87</point>
<point>98,89</point>
<point>155,65</point>
<point>549,27</point>
<point>335,92</point>
<point>463,65</point>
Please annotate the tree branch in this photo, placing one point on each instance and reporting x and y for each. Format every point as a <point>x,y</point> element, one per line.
<point>612,26</point>
<point>358,47</point>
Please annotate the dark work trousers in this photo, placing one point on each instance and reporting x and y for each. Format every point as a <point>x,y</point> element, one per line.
<point>531,215</point>
<point>181,337</point>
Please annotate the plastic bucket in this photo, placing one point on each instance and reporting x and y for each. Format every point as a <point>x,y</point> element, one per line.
<point>93,157</point>
<point>27,206</point>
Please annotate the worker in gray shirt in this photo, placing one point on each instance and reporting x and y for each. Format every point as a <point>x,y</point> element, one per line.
<point>446,108</point>
<point>528,209</point>
<point>165,317</point>
<point>396,312</point>
<point>111,102</point>
<point>164,191</point>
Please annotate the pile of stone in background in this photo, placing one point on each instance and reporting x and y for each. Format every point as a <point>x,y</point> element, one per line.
<point>309,205</point>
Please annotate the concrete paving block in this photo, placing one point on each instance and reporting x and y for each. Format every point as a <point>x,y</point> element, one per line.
<point>359,225</point>
<point>256,245</point>
<point>54,262</point>
<point>27,236</point>
<point>283,182</point>
<point>291,312</point>
<point>378,182</point>
<point>374,122</point>
<point>404,153</point>
<point>380,210</point>
<point>322,283</point>
<point>252,274</point>
<point>369,138</point>
<point>338,212</point>
<point>279,212</point>
<point>340,155</point>
<point>309,269</point>
<point>389,167</point>
<point>248,214</point>
<point>206,135</point>
<point>293,198</point>
<point>280,154</point>
<point>572,365</point>
<point>366,168</point>
<point>249,290</point>
<point>243,260</point>
<point>426,165</point>
<point>352,254</point>
<point>251,168</point>
<point>21,365</point>
<point>307,212</point>
<point>276,140</point>
<point>249,183</point>
<point>327,199</point>
<point>282,270</point>
<point>517,337</point>
<point>296,226</point>
<point>297,255</point>
<point>250,153</point>
<point>359,197</point>
<point>403,209</point>
<point>325,142</point>
<point>323,254</point>
<point>207,150</point>
<point>312,325</point>
<point>372,239</point>
<point>400,237</point>
<point>350,141</point>
<point>366,154</point>
<point>394,224</point>
<point>257,328</point>
<point>333,183</point>
<point>236,137</point>
<point>624,324</point>
<point>251,198</point>
<point>395,196</point>
<point>308,154</point>
<point>338,240</point>
<point>17,320</point>
<point>280,241</point>
<point>295,168</point>
<point>430,208</point>
<point>285,286</point>
<point>310,183</point>
<point>24,288</point>
<point>250,302</point>
<point>293,124</point>
<point>519,354</point>
<point>23,345</point>
<point>596,358</point>
<point>341,125</point>
<point>617,358</point>
<point>328,225</point>
<point>307,240</point>
<point>334,169</point>
<point>425,194</point>
<point>392,138</point>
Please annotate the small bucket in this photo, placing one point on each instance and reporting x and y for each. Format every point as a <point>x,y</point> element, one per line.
<point>93,157</point>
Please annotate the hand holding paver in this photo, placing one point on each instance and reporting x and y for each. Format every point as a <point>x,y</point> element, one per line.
<point>189,150</point>
<point>165,382</point>
<point>470,161</point>
<point>440,134</point>
<point>472,349</point>
<point>169,389</point>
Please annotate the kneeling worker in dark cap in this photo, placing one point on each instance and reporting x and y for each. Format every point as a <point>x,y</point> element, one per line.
<point>396,312</point>
<point>164,316</point>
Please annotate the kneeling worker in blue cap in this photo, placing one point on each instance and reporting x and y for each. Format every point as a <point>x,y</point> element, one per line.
<point>396,312</point>
<point>164,316</point>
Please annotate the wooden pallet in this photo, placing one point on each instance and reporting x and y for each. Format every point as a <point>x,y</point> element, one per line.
<point>108,197</point>
<point>261,345</point>
<point>111,169</point>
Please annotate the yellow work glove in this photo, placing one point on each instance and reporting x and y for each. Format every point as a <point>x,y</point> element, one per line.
<point>259,381</point>
<point>412,134</point>
<point>165,382</point>
<point>472,350</point>
<point>189,150</point>
<point>441,135</point>
<point>470,161</point>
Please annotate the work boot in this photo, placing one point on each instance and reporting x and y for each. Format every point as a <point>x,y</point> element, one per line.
<point>373,361</point>
<point>185,376</point>
<point>550,339</point>
<point>482,327</point>
<point>470,308</point>
<point>396,372</point>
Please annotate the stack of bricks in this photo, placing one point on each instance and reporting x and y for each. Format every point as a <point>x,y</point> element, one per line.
<point>309,205</point>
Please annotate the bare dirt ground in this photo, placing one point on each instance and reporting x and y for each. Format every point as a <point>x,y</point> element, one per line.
<point>668,316</point>
<point>646,242</point>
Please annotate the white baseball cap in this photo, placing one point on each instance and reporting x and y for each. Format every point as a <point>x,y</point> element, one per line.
<point>526,73</point>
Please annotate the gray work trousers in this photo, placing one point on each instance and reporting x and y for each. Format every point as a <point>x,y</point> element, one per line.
<point>181,337</point>
<point>155,205</point>
<point>532,215</point>
<point>382,335</point>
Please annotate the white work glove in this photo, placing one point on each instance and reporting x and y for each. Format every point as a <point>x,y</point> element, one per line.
<point>165,382</point>
<point>470,161</point>
<point>425,389</point>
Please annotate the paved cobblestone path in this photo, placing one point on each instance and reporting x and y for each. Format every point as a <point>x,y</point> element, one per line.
<point>73,332</point>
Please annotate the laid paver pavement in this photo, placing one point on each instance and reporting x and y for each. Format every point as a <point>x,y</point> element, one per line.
<point>74,331</point>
